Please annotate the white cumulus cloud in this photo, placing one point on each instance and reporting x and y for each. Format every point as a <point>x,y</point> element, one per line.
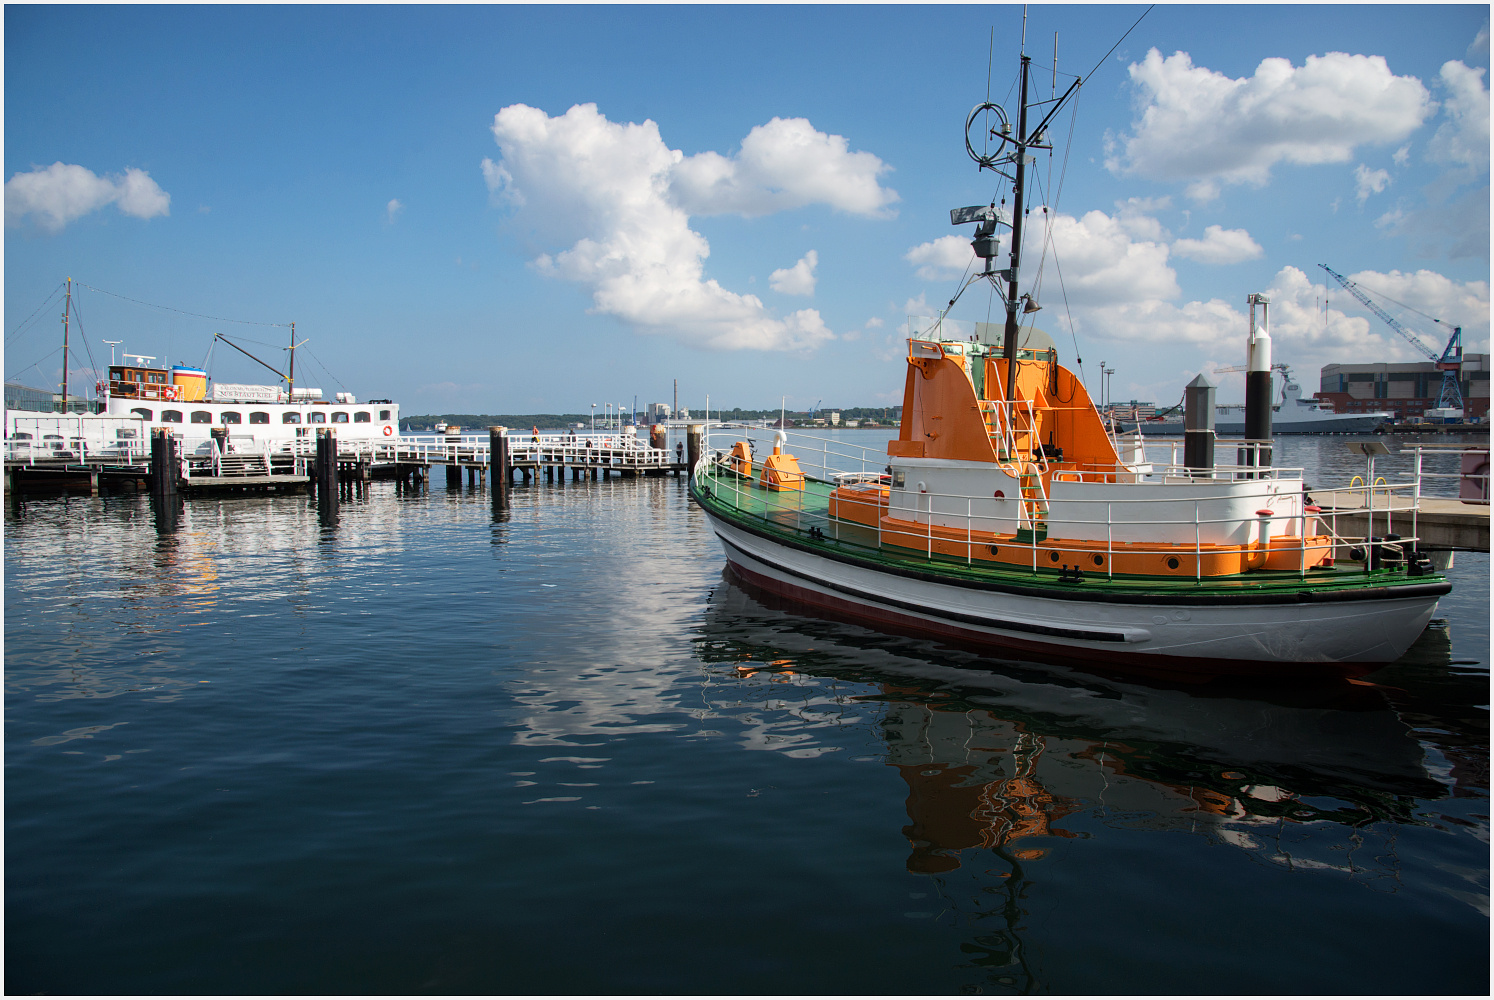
<point>946,257</point>
<point>1202,127</point>
<point>63,192</point>
<point>620,200</point>
<point>392,210</point>
<point>796,280</point>
<point>783,164</point>
<point>1462,140</point>
<point>1219,246</point>
<point>1368,182</point>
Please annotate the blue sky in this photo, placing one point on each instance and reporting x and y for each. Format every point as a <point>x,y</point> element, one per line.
<point>751,200</point>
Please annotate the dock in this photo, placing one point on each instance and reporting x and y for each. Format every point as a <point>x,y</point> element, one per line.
<point>1443,524</point>
<point>218,466</point>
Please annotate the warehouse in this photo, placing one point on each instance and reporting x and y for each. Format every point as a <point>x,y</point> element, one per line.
<point>1408,389</point>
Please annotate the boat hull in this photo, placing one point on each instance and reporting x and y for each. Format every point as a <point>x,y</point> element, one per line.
<point>1171,636</point>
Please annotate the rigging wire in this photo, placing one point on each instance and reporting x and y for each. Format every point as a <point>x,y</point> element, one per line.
<point>35,364</point>
<point>1118,42</point>
<point>152,305</point>
<point>25,322</point>
<point>93,366</point>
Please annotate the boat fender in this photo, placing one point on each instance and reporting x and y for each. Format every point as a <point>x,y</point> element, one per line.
<point>388,431</point>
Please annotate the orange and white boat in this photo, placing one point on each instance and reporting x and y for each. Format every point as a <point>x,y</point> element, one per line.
<point>1006,514</point>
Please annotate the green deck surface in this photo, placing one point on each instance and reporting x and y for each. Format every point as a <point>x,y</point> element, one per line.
<point>792,514</point>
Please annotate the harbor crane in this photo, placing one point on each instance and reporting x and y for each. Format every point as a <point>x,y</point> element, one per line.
<point>1449,363</point>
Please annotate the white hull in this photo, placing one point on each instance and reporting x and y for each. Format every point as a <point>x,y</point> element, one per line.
<point>1176,635</point>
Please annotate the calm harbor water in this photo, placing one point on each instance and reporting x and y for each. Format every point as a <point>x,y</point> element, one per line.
<point>435,747</point>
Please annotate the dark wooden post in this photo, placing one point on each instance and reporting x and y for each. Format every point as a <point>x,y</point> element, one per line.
<point>694,444</point>
<point>326,463</point>
<point>164,467</point>
<point>498,460</point>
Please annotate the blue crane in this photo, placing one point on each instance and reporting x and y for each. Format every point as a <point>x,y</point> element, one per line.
<point>1450,363</point>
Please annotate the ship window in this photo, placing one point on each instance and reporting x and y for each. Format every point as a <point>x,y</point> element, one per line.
<point>339,417</point>
<point>201,417</point>
<point>362,417</point>
<point>316,417</point>
<point>232,417</point>
<point>157,378</point>
<point>291,418</point>
<point>258,417</point>
<point>125,434</point>
<point>21,436</point>
<point>141,411</point>
<point>171,416</point>
<point>899,478</point>
<point>383,414</point>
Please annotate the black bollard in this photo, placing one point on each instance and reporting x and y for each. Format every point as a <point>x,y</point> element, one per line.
<point>1198,427</point>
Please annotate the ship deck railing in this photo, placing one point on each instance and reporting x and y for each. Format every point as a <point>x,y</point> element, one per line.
<point>807,509</point>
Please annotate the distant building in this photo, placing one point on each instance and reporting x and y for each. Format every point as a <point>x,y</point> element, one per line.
<point>1131,410</point>
<point>657,413</point>
<point>1408,389</point>
<point>834,418</point>
<point>25,397</point>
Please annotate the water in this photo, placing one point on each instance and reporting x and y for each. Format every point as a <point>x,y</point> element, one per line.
<point>432,748</point>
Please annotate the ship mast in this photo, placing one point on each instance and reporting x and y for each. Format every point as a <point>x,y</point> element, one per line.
<point>1009,345</point>
<point>66,312</point>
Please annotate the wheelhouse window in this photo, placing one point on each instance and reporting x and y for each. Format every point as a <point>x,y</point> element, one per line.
<point>362,417</point>
<point>339,417</point>
<point>201,417</point>
<point>291,418</point>
<point>171,416</point>
<point>383,414</point>
<point>258,417</point>
<point>232,417</point>
<point>141,411</point>
<point>316,417</point>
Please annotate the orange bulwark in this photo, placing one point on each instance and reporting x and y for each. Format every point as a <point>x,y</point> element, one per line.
<point>866,504</point>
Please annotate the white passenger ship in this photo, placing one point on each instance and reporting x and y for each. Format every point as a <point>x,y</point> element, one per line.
<point>138,397</point>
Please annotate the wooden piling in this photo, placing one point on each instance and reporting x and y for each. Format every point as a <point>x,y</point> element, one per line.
<point>694,444</point>
<point>658,436</point>
<point>498,458</point>
<point>164,467</point>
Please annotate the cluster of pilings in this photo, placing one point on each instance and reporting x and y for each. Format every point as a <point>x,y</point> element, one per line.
<point>1198,404</point>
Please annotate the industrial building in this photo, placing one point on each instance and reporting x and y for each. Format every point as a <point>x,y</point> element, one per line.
<point>1408,389</point>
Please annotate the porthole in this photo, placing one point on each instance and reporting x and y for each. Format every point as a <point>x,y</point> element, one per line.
<point>1053,556</point>
<point>995,550</point>
<point>1172,562</point>
<point>1099,560</point>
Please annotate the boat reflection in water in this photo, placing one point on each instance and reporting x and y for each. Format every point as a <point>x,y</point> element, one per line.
<point>1009,766</point>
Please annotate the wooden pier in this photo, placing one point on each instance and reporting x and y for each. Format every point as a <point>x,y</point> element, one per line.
<point>221,467</point>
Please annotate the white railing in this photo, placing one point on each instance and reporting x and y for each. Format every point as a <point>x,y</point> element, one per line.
<point>973,530</point>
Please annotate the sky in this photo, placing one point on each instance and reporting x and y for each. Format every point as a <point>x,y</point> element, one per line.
<point>537,209</point>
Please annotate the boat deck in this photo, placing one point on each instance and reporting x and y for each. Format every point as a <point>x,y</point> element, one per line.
<point>801,518</point>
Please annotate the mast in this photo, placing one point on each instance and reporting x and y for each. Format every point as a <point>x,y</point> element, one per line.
<point>66,311</point>
<point>1009,347</point>
<point>290,383</point>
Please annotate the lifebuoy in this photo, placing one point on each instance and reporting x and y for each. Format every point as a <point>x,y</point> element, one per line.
<point>169,392</point>
<point>388,431</point>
